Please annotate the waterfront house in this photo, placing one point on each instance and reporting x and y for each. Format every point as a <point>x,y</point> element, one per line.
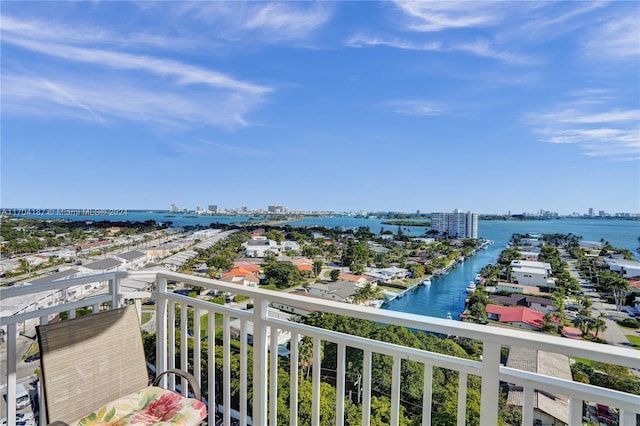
<point>515,288</point>
<point>531,273</point>
<point>340,291</point>
<point>626,268</point>
<point>394,273</point>
<point>359,280</point>
<point>542,304</point>
<point>519,316</point>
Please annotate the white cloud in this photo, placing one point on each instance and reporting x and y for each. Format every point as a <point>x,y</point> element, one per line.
<point>79,34</point>
<point>482,48</point>
<point>137,87</point>
<point>431,16</point>
<point>416,107</point>
<point>363,41</point>
<point>600,132</point>
<point>99,102</point>
<point>272,22</point>
<point>617,39</point>
<point>486,49</point>
<point>182,72</point>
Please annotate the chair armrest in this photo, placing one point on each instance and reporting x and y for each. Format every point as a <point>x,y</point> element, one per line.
<point>190,379</point>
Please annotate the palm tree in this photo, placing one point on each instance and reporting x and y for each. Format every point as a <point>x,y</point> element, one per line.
<point>305,355</point>
<point>600,324</point>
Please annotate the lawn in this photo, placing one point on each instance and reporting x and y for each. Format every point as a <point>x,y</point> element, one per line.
<point>634,340</point>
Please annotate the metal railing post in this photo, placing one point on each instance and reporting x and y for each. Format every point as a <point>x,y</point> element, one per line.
<point>259,363</point>
<point>490,383</point>
<point>161,327</point>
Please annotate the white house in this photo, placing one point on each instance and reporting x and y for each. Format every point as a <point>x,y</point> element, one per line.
<point>394,273</point>
<point>258,246</point>
<point>533,273</point>
<point>290,245</point>
<point>626,268</point>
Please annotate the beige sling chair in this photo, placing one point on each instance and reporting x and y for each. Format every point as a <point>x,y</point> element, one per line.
<point>94,372</point>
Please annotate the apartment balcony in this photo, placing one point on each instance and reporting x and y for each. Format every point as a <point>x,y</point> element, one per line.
<point>210,325</point>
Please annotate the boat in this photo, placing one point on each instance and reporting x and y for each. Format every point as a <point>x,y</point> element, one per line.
<point>426,282</point>
<point>471,287</point>
<point>449,316</point>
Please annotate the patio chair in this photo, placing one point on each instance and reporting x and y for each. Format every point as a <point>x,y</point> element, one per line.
<point>94,372</point>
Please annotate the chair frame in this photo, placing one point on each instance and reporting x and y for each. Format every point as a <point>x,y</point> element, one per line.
<point>89,361</point>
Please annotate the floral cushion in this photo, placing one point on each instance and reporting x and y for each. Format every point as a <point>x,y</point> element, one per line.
<point>150,406</point>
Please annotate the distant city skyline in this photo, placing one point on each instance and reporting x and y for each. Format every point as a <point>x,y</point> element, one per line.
<point>491,107</point>
<point>279,209</point>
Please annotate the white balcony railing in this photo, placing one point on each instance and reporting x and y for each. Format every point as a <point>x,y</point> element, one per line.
<point>264,368</point>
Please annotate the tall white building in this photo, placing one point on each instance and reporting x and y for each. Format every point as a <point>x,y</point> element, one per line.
<point>456,224</point>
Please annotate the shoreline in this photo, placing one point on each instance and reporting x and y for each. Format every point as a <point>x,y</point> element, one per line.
<point>446,270</point>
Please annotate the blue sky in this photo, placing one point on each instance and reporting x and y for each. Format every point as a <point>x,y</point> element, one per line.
<point>402,106</point>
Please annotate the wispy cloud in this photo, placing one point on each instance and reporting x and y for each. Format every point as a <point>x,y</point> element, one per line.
<point>167,91</point>
<point>482,48</point>
<point>486,49</point>
<point>182,72</point>
<point>271,22</point>
<point>430,16</point>
<point>600,131</point>
<point>96,102</point>
<point>360,40</point>
<point>80,34</point>
<point>416,107</point>
<point>617,39</point>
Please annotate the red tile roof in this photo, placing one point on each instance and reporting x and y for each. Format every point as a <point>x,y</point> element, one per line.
<point>520,314</point>
<point>634,283</point>
<point>245,264</point>
<point>303,264</point>
<point>350,277</point>
<point>238,272</point>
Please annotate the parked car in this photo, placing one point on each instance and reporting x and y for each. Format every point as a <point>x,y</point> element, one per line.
<point>32,357</point>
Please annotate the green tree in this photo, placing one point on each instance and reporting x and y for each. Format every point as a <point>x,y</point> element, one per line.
<point>282,275</point>
<point>478,301</point>
<point>274,235</point>
<point>367,293</point>
<point>416,270</point>
<point>317,267</point>
<point>356,252</point>
<point>334,274</point>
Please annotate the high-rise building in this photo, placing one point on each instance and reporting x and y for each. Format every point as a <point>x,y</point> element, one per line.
<point>590,211</point>
<point>456,224</point>
<point>275,209</point>
<point>212,208</point>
